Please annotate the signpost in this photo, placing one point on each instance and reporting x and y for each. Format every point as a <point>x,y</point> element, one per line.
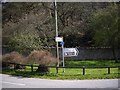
<point>66,52</point>
<point>69,52</point>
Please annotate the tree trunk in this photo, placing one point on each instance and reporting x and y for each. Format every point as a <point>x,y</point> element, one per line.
<point>42,69</point>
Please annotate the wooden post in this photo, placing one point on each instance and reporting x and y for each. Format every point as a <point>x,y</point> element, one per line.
<point>108,70</point>
<point>56,69</point>
<point>32,68</point>
<point>83,70</point>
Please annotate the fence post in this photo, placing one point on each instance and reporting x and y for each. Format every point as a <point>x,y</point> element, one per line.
<point>83,70</point>
<point>56,69</point>
<point>32,68</point>
<point>108,70</point>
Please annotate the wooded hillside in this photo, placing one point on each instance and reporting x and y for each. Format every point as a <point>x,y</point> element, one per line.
<point>32,25</point>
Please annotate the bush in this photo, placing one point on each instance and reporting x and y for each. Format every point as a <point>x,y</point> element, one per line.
<point>43,58</point>
<point>13,57</point>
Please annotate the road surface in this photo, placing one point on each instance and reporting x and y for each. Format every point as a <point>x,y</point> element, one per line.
<point>20,82</point>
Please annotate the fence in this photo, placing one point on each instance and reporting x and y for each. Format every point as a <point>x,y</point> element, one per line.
<point>85,67</point>
<point>57,68</point>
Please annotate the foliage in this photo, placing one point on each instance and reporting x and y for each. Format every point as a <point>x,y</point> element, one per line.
<point>105,27</point>
<point>19,18</point>
<point>31,27</point>
<point>27,41</point>
<point>13,11</point>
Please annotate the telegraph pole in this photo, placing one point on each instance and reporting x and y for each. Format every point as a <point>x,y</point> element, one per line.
<point>56,33</point>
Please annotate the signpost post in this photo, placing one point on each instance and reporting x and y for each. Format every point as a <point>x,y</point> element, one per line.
<point>58,39</point>
<point>62,43</point>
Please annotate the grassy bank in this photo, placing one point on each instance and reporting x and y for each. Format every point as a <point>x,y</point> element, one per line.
<point>68,74</point>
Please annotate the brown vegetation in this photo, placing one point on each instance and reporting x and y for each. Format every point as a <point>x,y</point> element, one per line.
<point>13,57</point>
<point>43,58</point>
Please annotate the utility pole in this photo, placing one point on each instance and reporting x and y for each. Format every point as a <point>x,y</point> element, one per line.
<point>56,33</point>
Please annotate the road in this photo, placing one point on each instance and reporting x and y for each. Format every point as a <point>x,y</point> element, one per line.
<point>20,82</point>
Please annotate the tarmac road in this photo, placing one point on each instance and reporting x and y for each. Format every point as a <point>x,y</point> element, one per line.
<point>20,82</point>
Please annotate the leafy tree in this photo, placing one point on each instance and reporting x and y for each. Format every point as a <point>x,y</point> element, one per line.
<point>39,19</point>
<point>13,11</point>
<point>73,19</point>
<point>104,25</point>
<point>27,31</point>
<point>27,41</point>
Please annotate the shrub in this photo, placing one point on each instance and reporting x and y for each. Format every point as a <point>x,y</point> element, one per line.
<point>13,57</point>
<point>43,58</point>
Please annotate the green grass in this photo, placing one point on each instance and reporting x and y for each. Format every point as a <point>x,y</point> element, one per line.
<point>68,74</point>
<point>91,63</point>
<point>72,73</point>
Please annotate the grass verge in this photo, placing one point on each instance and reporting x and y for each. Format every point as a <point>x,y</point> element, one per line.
<point>69,74</point>
<point>72,73</point>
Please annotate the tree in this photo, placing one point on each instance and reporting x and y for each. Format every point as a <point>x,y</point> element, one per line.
<point>25,42</point>
<point>104,25</point>
<point>39,19</point>
<point>27,31</point>
<point>73,19</point>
